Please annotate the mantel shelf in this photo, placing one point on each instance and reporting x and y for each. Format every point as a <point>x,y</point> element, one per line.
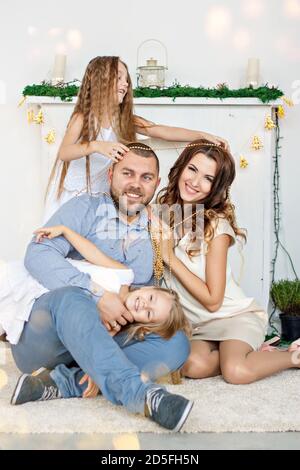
<point>41,100</point>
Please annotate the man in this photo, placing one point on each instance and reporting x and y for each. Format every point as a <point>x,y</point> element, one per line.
<point>64,323</point>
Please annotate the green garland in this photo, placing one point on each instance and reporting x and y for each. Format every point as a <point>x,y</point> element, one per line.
<point>222,91</point>
<point>66,91</point>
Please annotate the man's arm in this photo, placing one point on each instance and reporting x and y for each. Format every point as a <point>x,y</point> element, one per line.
<point>46,261</point>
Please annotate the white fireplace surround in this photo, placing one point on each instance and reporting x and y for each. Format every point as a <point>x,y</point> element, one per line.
<point>237,120</point>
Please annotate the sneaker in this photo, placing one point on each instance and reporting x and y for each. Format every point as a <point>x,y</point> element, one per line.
<point>38,386</point>
<point>167,409</point>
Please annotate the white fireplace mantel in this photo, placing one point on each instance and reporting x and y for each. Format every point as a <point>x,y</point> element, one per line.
<point>237,120</point>
<point>42,100</point>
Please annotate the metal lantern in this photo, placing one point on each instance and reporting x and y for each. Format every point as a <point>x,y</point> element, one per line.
<point>152,74</point>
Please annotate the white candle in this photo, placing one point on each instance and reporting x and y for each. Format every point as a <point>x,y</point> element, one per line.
<point>58,73</point>
<point>253,72</point>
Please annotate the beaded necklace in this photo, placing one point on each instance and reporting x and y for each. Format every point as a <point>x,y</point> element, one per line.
<point>158,263</point>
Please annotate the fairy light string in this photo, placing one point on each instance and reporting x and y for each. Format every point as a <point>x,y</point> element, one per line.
<point>277,215</point>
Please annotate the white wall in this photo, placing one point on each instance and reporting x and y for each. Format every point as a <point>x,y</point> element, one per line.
<point>199,53</point>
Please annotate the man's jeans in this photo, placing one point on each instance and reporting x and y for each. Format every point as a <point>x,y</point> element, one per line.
<point>64,327</point>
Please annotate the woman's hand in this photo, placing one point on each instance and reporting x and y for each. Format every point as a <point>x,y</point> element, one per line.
<point>92,388</point>
<point>49,232</point>
<point>167,247</point>
<point>113,150</point>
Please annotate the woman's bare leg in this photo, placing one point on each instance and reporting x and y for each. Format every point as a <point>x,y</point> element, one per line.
<point>241,365</point>
<point>203,360</point>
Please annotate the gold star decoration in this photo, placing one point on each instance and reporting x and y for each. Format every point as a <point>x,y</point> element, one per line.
<point>39,118</point>
<point>256,143</point>
<point>30,116</point>
<point>243,162</point>
<point>280,112</point>
<point>269,123</point>
<point>50,137</point>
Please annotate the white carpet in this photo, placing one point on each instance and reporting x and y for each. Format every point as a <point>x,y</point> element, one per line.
<point>269,405</point>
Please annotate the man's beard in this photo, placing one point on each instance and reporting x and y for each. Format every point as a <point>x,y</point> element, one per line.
<point>123,208</point>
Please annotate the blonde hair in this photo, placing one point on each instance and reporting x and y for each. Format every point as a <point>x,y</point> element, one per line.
<point>98,97</point>
<point>176,321</point>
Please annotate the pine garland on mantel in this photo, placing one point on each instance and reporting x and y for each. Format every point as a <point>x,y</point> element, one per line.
<point>263,93</point>
<point>64,91</point>
<point>67,91</point>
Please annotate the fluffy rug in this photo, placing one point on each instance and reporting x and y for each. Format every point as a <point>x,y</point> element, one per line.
<point>269,405</point>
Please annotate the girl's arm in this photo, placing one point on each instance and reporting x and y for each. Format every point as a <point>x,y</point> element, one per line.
<point>210,294</point>
<point>87,249</point>
<point>70,149</point>
<point>178,134</point>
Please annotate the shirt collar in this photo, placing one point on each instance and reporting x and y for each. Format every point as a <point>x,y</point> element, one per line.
<point>140,223</point>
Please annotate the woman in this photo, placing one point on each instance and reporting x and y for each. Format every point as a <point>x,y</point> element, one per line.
<point>228,327</point>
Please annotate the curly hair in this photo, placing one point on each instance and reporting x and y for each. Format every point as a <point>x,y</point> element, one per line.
<point>97,98</point>
<point>217,203</point>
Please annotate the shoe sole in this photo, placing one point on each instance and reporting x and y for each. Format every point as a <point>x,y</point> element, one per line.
<point>184,416</point>
<point>20,383</point>
<point>17,389</point>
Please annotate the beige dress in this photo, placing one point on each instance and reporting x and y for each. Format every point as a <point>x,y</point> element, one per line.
<point>239,317</point>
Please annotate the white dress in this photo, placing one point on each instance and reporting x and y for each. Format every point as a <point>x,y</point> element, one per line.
<point>19,290</point>
<point>238,318</point>
<point>75,181</point>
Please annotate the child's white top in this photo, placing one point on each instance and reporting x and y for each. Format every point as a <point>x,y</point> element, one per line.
<point>75,183</point>
<point>234,298</point>
<point>19,290</point>
<point>99,164</point>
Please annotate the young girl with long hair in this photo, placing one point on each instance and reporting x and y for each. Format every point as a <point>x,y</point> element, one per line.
<point>99,128</point>
<point>228,327</point>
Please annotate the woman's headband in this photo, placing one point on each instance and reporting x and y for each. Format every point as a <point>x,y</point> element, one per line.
<point>137,147</point>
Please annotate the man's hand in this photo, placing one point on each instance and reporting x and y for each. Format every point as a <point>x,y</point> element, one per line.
<point>113,312</point>
<point>92,388</point>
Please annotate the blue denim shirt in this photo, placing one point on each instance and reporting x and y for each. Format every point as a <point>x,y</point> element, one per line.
<point>96,219</point>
